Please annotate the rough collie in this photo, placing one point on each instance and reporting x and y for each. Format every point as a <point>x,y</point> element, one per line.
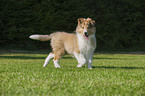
<point>80,44</point>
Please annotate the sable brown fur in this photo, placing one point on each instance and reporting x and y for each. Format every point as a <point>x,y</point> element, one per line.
<point>61,42</point>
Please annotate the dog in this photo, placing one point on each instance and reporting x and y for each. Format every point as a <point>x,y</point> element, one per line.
<point>81,44</point>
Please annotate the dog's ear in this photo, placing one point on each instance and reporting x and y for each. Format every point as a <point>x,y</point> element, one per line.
<point>93,22</point>
<point>80,20</point>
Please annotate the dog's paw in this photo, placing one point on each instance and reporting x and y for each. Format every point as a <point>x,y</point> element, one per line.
<point>90,68</point>
<point>57,66</point>
<point>44,65</point>
<point>79,65</point>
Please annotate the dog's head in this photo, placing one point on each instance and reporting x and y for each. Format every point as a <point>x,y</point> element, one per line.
<point>86,27</point>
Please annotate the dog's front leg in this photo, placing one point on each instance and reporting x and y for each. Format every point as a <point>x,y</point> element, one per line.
<point>56,63</point>
<point>80,58</point>
<point>89,60</point>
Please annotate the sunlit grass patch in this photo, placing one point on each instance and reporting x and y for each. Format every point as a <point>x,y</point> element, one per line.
<point>112,74</point>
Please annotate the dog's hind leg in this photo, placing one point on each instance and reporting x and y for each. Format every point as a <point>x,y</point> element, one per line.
<point>50,56</point>
<point>56,61</point>
<point>57,55</point>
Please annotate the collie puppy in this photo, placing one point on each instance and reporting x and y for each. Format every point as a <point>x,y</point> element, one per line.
<point>80,44</point>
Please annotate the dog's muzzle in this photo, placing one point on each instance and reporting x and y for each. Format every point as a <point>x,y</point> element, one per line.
<point>86,35</point>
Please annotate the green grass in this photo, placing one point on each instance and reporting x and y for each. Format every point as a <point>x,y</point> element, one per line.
<point>112,75</point>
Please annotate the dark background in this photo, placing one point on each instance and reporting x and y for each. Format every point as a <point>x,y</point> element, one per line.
<point>120,24</point>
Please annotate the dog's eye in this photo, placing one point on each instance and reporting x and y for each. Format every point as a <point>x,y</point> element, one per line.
<point>83,27</point>
<point>90,25</point>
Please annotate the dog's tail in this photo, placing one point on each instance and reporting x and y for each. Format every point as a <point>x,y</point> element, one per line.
<point>40,37</point>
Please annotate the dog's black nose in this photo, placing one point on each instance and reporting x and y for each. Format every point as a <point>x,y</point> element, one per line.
<point>86,34</point>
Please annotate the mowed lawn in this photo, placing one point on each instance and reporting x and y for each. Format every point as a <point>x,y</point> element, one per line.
<point>22,74</point>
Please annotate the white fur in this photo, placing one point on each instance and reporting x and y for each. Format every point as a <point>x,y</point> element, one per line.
<point>35,37</point>
<point>86,51</point>
<point>80,58</point>
<point>50,56</point>
<point>56,63</point>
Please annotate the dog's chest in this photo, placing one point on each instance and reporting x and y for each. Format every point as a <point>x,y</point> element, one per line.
<point>84,45</point>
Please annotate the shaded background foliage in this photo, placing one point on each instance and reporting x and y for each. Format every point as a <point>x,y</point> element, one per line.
<point>120,24</point>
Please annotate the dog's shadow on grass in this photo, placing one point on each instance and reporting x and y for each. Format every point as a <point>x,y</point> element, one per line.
<point>33,57</point>
<point>27,57</point>
<point>111,58</point>
<point>114,67</point>
<point>21,57</point>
